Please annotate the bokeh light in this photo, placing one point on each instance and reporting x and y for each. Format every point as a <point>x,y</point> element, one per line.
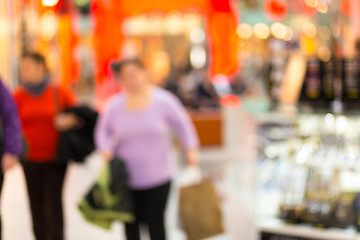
<point>261,31</point>
<point>289,34</point>
<point>173,24</point>
<point>309,30</point>
<point>136,25</point>
<point>48,25</point>
<point>244,31</point>
<point>312,3</point>
<point>324,53</point>
<point>197,35</point>
<point>323,7</point>
<point>309,45</point>
<point>198,57</point>
<point>324,32</point>
<point>50,3</point>
<point>279,30</point>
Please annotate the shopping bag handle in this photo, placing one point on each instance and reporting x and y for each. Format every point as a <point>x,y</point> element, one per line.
<point>191,175</point>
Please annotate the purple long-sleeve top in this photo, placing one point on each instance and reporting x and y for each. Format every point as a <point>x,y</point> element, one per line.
<point>10,122</point>
<point>142,137</point>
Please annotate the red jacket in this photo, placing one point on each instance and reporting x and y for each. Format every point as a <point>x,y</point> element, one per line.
<point>37,115</point>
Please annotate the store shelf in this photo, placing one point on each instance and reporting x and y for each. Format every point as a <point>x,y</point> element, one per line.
<point>276,226</point>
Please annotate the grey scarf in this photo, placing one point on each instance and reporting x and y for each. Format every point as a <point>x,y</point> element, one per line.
<point>37,89</point>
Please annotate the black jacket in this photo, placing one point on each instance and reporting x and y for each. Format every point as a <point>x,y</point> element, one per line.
<point>109,198</point>
<point>77,143</point>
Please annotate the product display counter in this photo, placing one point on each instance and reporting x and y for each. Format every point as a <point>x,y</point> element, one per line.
<point>307,177</point>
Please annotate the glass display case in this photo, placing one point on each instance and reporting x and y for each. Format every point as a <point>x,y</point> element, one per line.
<point>308,176</point>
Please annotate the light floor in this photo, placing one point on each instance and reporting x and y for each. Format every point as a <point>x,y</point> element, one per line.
<point>17,221</point>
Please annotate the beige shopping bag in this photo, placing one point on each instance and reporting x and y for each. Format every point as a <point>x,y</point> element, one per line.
<point>200,211</point>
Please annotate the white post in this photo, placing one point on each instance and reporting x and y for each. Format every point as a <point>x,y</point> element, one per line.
<point>12,50</point>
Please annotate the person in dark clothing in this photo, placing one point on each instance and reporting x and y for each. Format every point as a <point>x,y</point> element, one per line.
<point>40,104</point>
<point>10,133</point>
<point>206,95</point>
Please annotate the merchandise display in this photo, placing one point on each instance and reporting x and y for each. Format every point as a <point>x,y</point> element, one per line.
<point>308,172</point>
<point>326,81</point>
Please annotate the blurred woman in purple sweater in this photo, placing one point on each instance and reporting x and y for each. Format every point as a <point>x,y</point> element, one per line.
<point>136,127</point>
<point>10,133</point>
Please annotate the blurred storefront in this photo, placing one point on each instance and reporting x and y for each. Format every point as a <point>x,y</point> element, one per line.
<point>291,67</point>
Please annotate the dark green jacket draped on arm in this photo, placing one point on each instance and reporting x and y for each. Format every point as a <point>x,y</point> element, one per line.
<point>109,199</point>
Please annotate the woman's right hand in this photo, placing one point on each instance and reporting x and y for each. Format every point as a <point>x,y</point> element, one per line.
<point>9,161</point>
<point>65,121</point>
<point>107,156</point>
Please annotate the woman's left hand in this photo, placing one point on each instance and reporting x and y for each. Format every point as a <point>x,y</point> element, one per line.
<point>192,157</point>
<point>65,121</point>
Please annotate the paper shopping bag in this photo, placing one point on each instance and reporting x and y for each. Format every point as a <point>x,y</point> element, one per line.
<point>200,210</point>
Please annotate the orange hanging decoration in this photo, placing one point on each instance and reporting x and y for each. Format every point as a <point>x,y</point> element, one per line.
<point>223,41</point>
<point>221,24</point>
<point>345,7</point>
<point>107,41</point>
<point>68,40</point>
<point>107,37</point>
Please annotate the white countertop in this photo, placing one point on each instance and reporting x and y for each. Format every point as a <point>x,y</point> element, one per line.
<point>277,226</point>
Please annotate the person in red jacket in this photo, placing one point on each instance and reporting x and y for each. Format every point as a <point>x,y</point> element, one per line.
<point>40,102</point>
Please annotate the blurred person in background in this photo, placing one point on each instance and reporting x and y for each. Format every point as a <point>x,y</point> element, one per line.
<point>10,133</point>
<point>135,127</point>
<point>206,93</point>
<point>193,88</point>
<point>187,86</point>
<point>40,102</point>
